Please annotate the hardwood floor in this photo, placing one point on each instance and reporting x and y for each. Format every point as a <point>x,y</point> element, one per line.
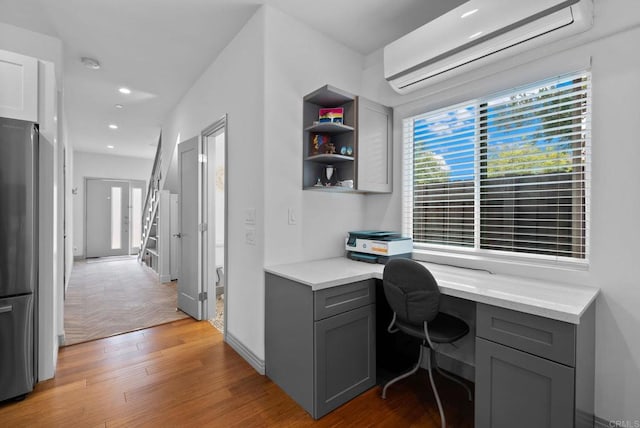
<point>183,374</point>
<point>113,295</point>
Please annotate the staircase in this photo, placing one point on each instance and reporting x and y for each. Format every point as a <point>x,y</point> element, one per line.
<point>148,249</point>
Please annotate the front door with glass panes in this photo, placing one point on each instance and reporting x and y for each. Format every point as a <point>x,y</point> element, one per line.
<point>112,207</point>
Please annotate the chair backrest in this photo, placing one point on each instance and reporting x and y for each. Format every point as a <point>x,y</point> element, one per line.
<point>411,290</point>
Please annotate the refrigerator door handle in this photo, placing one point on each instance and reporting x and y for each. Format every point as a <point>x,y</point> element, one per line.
<point>4,309</point>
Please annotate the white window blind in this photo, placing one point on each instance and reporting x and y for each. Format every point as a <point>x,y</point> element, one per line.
<point>507,173</point>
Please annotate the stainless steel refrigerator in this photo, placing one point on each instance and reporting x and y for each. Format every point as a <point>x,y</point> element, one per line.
<point>18,256</point>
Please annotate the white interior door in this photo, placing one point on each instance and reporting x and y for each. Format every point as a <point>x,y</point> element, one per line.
<point>107,217</point>
<point>189,284</point>
<point>174,230</point>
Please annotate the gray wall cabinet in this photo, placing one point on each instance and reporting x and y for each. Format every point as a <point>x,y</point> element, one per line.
<point>375,137</point>
<point>320,346</point>
<point>533,372</point>
<point>358,148</point>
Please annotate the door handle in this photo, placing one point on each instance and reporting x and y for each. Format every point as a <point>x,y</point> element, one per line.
<point>178,235</point>
<point>4,309</point>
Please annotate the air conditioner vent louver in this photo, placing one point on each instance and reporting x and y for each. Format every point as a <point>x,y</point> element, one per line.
<point>459,41</point>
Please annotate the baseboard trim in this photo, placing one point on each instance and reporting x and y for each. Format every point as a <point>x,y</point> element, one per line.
<point>245,353</point>
<point>61,340</point>
<point>165,278</point>
<point>76,258</point>
<point>601,423</point>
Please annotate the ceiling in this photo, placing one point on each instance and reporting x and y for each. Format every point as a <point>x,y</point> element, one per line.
<point>158,48</point>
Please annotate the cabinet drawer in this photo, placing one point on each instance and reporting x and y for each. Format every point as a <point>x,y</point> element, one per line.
<point>547,338</point>
<point>335,300</point>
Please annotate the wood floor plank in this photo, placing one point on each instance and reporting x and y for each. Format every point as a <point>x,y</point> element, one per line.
<point>184,374</point>
<point>113,295</point>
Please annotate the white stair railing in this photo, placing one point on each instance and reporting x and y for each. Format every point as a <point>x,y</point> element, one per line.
<point>150,210</point>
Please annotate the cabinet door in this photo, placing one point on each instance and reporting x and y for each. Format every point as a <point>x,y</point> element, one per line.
<point>375,143</point>
<point>514,388</point>
<point>18,86</point>
<point>345,358</point>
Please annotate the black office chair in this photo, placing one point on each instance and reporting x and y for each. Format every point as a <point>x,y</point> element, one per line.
<point>414,297</point>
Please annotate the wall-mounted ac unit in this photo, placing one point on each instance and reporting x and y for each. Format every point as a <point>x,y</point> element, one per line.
<point>479,32</point>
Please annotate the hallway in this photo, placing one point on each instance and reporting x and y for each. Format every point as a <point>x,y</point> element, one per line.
<point>113,295</point>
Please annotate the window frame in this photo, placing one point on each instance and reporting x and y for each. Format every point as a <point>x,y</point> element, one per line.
<point>476,253</point>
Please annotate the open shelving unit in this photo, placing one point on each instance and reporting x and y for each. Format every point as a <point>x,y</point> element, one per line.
<point>341,135</point>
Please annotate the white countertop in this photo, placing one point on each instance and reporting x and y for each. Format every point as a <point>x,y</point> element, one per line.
<point>559,301</point>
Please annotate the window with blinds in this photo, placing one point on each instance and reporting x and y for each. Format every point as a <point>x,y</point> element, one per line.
<point>507,173</point>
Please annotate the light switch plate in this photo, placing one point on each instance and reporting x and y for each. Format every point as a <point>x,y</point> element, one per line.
<point>292,217</point>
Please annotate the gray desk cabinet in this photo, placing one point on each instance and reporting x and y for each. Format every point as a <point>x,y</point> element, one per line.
<point>320,346</point>
<point>533,372</point>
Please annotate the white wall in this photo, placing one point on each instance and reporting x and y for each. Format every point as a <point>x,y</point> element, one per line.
<point>47,266</point>
<point>298,61</point>
<point>94,165</point>
<point>233,84</point>
<point>259,80</point>
<point>615,200</point>
<point>25,42</point>
<point>68,186</point>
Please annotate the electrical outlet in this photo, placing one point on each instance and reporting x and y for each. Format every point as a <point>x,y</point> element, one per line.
<point>250,236</point>
<point>250,216</point>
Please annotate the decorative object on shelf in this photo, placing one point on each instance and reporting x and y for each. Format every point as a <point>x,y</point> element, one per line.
<point>329,149</point>
<point>332,115</point>
<point>343,150</point>
<point>319,141</point>
<point>346,183</point>
<point>329,175</point>
<point>349,151</point>
<point>318,183</point>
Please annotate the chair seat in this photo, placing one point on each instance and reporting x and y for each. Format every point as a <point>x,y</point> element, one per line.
<point>444,328</point>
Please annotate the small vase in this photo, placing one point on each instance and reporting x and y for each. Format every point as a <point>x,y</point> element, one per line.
<point>329,175</point>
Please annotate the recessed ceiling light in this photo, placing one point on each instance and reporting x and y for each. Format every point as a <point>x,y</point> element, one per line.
<point>471,12</point>
<point>113,126</point>
<point>91,63</point>
<point>110,146</point>
<point>124,90</point>
<point>473,36</point>
<point>118,106</point>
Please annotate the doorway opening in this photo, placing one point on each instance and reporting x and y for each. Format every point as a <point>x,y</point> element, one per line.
<point>113,213</point>
<point>214,195</point>
<point>109,292</point>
